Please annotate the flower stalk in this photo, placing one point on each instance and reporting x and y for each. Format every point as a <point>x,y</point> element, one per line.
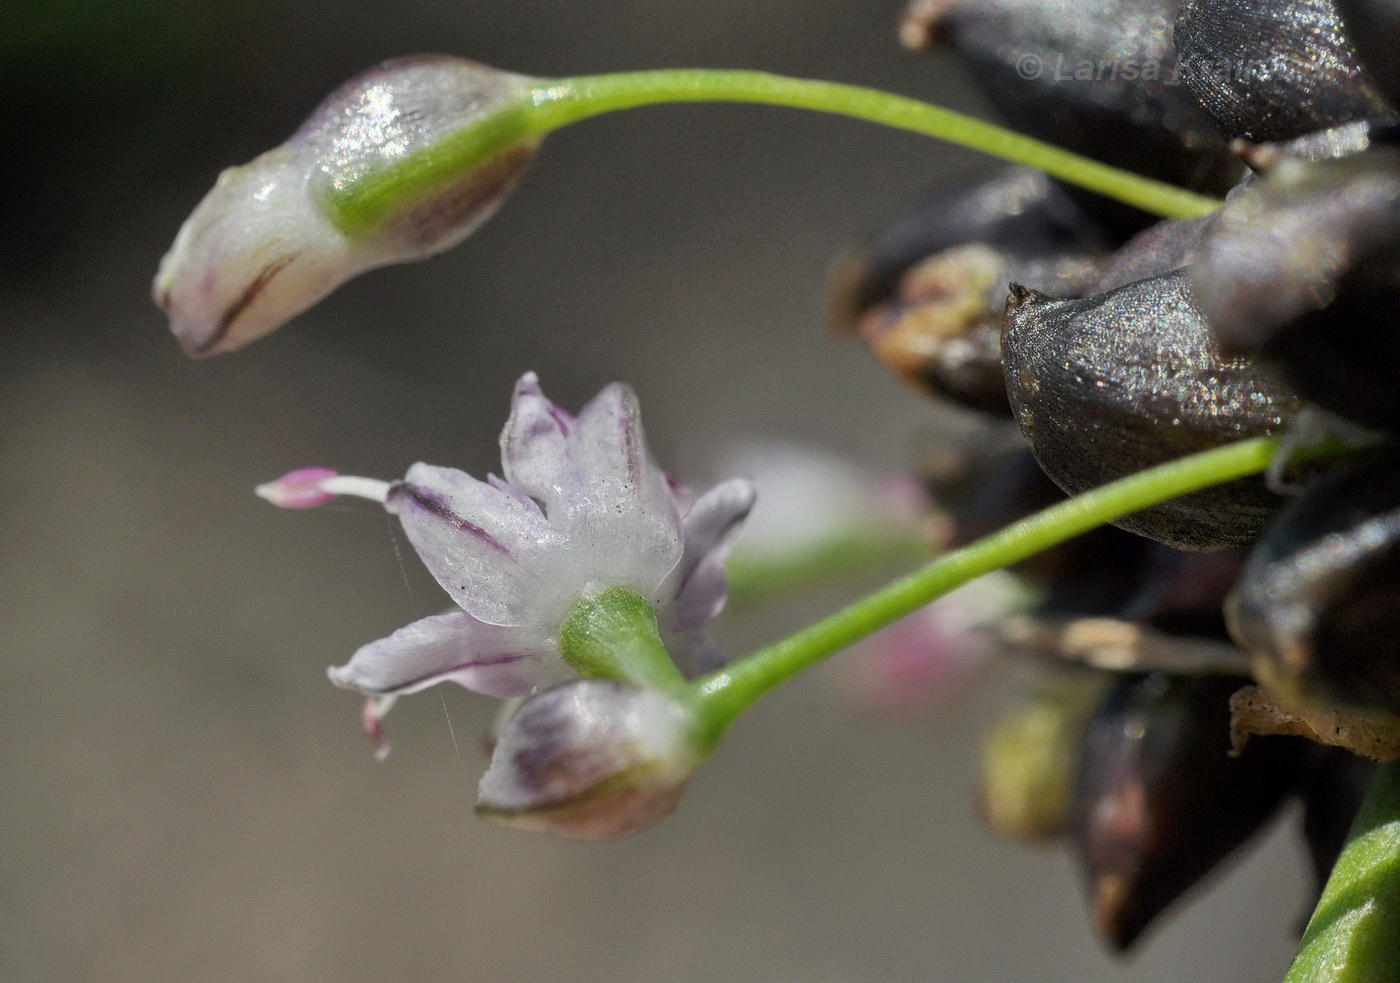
<point>723,695</point>
<point>366,202</point>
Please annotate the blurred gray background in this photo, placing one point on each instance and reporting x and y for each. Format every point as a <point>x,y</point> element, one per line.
<point>187,798</point>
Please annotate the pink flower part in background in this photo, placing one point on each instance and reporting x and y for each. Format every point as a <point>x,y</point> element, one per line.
<point>922,661</point>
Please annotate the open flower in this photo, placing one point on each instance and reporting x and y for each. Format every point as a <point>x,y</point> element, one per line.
<point>582,508</point>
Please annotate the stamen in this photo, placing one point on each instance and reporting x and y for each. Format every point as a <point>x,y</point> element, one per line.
<point>370,488</point>
<point>307,488</point>
<point>300,489</point>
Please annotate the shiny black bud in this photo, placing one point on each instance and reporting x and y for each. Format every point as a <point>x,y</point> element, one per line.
<point>1097,78</point>
<point>927,295</point>
<point>1318,603</point>
<point>1303,269</point>
<point>1109,385</point>
<point>1273,70</point>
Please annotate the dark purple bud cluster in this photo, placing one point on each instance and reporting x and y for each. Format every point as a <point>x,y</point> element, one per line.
<point>1121,346</point>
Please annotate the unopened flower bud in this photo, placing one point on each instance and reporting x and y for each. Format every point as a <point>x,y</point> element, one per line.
<point>371,178</point>
<point>591,759</point>
<point>1316,603</point>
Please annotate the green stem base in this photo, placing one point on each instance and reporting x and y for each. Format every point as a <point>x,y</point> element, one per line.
<point>1354,934</point>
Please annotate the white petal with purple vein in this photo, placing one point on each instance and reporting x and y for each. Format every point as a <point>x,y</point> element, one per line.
<point>492,552</point>
<point>535,453</point>
<point>626,528</point>
<point>454,647</point>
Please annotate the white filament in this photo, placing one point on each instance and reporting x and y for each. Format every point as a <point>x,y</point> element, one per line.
<point>345,484</point>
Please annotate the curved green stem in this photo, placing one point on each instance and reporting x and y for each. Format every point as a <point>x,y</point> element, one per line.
<point>547,105</point>
<point>723,695</point>
<point>569,100</point>
<point>1354,934</point>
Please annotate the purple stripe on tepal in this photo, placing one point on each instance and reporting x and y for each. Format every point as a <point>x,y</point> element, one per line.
<point>436,505</point>
<point>563,419</point>
<point>495,660</point>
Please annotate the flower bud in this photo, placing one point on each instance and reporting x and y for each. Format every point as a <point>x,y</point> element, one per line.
<point>927,294</point>
<point>1124,380</point>
<point>1097,78</point>
<point>276,235</point>
<point>591,759</point>
<point>1300,270</point>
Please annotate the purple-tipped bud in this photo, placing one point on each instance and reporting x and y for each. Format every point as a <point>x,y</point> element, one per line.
<point>590,760</point>
<point>265,244</point>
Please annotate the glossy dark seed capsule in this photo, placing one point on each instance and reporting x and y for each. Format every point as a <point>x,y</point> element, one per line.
<point>1374,27</point>
<point>1097,78</point>
<point>1015,210</point>
<point>928,294</point>
<point>1159,800</point>
<point>941,332</point>
<point>1111,384</point>
<point>1303,269</point>
<point>1318,603</point>
<point>1269,70</point>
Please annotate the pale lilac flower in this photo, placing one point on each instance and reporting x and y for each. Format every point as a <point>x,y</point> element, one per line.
<point>582,507</point>
<point>592,759</point>
<point>265,244</point>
